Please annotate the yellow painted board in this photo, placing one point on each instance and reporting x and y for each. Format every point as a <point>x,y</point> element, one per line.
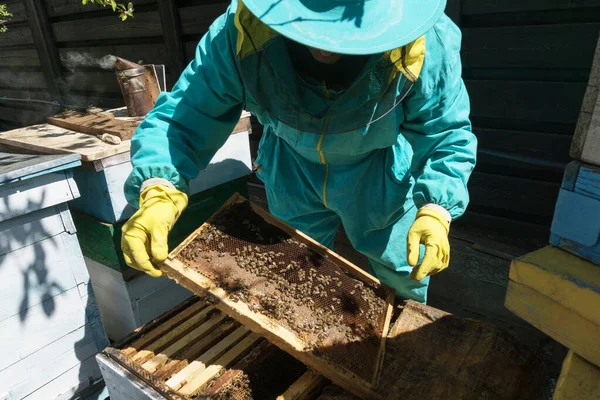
<point>579,380</point>
<point>554,319</point>
<point>565,278</point>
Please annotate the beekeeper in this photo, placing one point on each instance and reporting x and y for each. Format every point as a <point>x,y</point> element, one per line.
<point>366,125</point>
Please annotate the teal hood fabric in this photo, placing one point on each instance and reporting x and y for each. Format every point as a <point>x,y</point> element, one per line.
<point>349,26</point>
<point>321,165</point>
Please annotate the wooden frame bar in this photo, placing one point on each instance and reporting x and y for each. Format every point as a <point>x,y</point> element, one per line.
<point>261,324</point>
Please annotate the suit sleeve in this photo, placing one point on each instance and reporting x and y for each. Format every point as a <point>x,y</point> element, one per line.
<point>188,125</point>
<point>437,125</point>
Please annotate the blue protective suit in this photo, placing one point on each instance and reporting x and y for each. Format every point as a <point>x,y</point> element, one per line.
<point>372,179</point>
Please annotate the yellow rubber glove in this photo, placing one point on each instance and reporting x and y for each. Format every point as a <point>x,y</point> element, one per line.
<point>144,239</point>
<point>430,229</point>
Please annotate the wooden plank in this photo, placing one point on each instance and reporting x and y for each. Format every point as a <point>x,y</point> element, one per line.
<point>49,256</point>
<point>50,366</point>
<point>56,8</point>
<point>471,7</point>
<point>25,166</point>
<point>21,372</point>
<point>17,9</point>
<point>152,348</point>
<point>189,355</point>
<point>123,383</point>
<point>145,24</point>
<point>22,117</point>
<point>33,194</point>
<point>513,194</point>
<point>307,385</point>
<point>171,27</point>
<point>95,124</point>
<point>235,353</point>
<point>562,277</point>
<point>576,223</point>
<point>562,324</point>
<point>45,45</point>
<point>70,382</point>
<point>545,46</point>
<point>40,325</point>
<point>453,10</point>
<point>48,223</point>
<point>22,80</point>
<point>199,365</point>
<point>231,161</point>
<point>113,299</point>
<point>470,351</point>
<point>19,58</point>
<point>49,139</point>
<point>586,141</point>
<point>579,379</point>
<point>152,305</point>
<point>196,20</point>
<point>197,334</point>
<point>526,100</point>
<point>567,284</point>
<point>275,333</point>
<point>163,329</point>
<point>39,94</point>
<point>17,35</point>
<point>528,145</point>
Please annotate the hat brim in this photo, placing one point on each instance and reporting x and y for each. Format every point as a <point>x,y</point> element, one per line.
<point>355,27</point>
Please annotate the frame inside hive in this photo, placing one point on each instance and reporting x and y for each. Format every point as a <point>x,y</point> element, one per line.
<point>195,351</point>
<point>278,282</point>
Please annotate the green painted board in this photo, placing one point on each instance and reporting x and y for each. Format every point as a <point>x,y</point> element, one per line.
<point>102,242</point>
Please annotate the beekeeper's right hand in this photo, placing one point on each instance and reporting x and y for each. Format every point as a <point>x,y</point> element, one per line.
<point>144,239</point>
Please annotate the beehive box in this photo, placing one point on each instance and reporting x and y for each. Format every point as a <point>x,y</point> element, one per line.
<point>586,139</point>
<point>576,223</point>
<point>128,298</point>
<point>50,329</point>
<point>195,351</point>
<point>558,293</point>
<point>102,181</point>
<point>304,298</point>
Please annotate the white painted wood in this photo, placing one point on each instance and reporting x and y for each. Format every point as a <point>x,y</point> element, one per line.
<point>51,366</point>
<point>85,373</point>
<point>50,139</point>
<point>232,161</point>
<point>31,365</point>
<point>586,139</point>
<point>34,194</point>
<point>124,306</point>
<point>102,193</point>
<point>75,258</point>
<point>30,228</point>
<point>161,301</point>
<point>35,273</point>
<point>42,324</point>
<point>117,314</point>
<point>122,385</point>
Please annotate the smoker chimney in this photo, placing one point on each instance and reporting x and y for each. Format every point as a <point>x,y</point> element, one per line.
<point>139,86</point>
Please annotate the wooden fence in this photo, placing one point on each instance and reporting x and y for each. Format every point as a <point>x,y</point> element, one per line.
<point>526,64</point>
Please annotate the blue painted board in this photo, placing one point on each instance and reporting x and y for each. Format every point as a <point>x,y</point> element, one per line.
<point>576,223</point>
<point>15,166</point>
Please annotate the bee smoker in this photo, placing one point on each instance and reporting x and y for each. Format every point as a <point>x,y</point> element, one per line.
<point>139,86</point>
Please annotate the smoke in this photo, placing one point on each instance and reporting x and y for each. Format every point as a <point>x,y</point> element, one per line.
<point>73,60</point>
